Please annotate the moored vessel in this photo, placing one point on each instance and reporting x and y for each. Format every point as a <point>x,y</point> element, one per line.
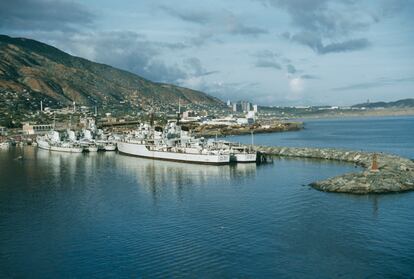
<point>52,142</point>
<point>172,144</point>
<point>238,153</point>
<point>145,149</point>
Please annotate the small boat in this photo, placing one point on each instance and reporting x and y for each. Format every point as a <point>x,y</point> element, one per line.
<point>238,153</point>
<point>110,146</point>
<point>106,145</point>
<point>242,154</point>
<point>92,148</point>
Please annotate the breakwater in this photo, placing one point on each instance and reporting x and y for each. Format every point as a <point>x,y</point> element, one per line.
<point>392,174</point>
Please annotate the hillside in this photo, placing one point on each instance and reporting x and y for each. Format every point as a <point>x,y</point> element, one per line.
<point>405,103</point>
<point>36,71</point>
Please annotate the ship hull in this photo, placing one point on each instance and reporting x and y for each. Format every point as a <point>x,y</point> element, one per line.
<point>110,147</point>
<point>66,149</point>
<point>141,150</point>
<point>42,144</point>
<point>244,157</point>
<point>92,149</point>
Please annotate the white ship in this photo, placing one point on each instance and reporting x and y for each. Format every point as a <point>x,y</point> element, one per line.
<point>94,139</point>
<point>87,141</point>
<point>43,142</point>
<point>238,153</point>
<point>172,144</point>
<point>106,145</point>
<point>242,154</point>
<point>66,147</point>
<point>52,142</point>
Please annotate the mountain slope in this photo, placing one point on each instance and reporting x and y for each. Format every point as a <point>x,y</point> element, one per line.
<point>405,103</point>
<point>40,69</point>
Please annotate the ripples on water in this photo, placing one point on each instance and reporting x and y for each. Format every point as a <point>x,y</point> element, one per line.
<point>108,215</point>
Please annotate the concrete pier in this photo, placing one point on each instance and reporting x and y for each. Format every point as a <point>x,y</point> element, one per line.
<point>392,173</point>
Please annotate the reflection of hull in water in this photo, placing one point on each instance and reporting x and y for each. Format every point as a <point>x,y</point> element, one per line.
<point>142,150</point>
<point>157,174</point>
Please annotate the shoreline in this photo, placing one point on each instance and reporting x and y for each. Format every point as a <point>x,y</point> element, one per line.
<point>393,173</point>
<point>339,116</point>
<point>221,131</point>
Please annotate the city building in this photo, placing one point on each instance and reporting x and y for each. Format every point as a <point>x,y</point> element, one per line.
<point>189,113</point>
<point>33,129</point>
<point>237,107</point>
<point>246,106</point>
<point>189,116</point>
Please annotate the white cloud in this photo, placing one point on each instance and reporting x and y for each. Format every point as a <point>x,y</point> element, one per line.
<point>297,86</point>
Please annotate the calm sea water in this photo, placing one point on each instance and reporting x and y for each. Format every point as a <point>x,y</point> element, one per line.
<point>386,134</point>
<point>108,215</point>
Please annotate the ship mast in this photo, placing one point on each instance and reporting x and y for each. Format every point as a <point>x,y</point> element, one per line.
<point>152,113</point>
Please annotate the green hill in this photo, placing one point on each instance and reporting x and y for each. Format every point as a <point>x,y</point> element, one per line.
<point>405,103</point>
<point>31,71</point>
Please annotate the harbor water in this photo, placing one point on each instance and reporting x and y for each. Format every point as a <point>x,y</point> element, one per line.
<point>103,215</point>
<point>383,134</point>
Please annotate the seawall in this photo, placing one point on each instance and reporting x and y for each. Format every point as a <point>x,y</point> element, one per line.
<point>394,174</point>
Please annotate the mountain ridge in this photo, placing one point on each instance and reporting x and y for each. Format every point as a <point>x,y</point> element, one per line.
<point>403,103</point>
<point>36,67</point>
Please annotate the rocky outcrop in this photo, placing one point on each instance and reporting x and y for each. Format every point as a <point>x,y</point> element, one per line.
<point>394,174</point>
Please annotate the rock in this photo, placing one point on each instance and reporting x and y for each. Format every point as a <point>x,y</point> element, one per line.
<point>396,174</point>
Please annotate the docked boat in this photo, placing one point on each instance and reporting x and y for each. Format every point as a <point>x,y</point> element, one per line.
<point>91,148</point>
<point>52,142</point>
<point>43,142</point>
<point>242,154</point>
<point>106,145</point>
<point>145,149</point>
<point>170,144</point>
<point>66,147</point>
<point>110,146</point>
<point>238,153</point>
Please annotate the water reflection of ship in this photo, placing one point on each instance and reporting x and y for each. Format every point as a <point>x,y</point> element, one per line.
<point>59,162</point>
<point>156,174</point>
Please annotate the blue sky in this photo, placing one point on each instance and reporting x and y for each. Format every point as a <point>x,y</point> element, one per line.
<point>272,52</point>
